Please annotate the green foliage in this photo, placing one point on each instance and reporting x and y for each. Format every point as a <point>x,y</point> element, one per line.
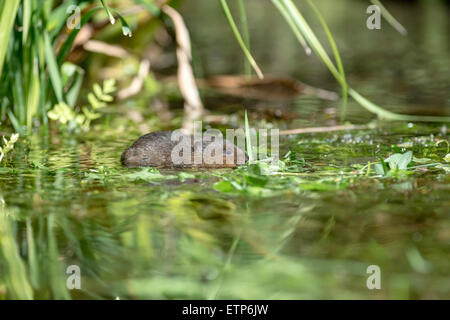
<point>248,140</point>
<point>98,99</point>
<point>8,10</point>
<point>399,161</point>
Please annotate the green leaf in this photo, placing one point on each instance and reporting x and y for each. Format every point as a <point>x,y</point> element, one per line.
<point>399,161</point>
<point>248,139</point>
<point>98,91</point>
<point>254,180</point>
<point>393,161</point>
<point>109,86</point>
<point>405,159</point>
<point>91,115</point>
<point>337,58</point>
<point>33,94</point>
<point>224,186</point>
<point>390,18</point>
<point>14,272</point>
<point>150,6</point>
<point>8,11</point>
<point>95,103</point>
<point>183,176</point>
<point>379,169</point>
<point>126,30</point>
<point>26,20</point>
<point>239,38</point>
<point>73,75</point>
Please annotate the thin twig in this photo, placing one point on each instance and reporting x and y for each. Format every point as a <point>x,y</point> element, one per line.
<point>326,129</point>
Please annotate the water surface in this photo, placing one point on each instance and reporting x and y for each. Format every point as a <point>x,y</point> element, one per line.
<point>310,233</point>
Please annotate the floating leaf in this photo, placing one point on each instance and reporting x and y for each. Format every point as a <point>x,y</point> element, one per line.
<point>405,159</point>
<point>109,86</point>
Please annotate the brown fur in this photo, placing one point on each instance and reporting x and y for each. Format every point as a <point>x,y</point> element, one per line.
<point>155,150</point>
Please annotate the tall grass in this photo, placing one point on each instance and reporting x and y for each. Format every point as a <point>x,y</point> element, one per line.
<point>32,70</point>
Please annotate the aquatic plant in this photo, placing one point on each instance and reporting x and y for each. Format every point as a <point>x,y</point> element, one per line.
<point>98,99</point>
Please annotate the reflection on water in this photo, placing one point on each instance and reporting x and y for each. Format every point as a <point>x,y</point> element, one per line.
<point>69,202</point>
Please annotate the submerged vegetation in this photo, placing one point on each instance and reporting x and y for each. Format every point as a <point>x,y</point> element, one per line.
<point>98,99</point>
<point>306,226</point>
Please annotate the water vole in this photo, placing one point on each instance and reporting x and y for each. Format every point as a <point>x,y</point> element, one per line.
<point>166,149</point>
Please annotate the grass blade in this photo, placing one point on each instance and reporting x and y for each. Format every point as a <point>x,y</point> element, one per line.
<point>337,57</point>
<point>246,35</point>
<point>150,6</point>
<point>26,21</point>
<point>388,115</point>
<point>126,30</point>
<point>248,141</point>
<point>33,94</point>
<point>291,23</point>
<point>240,40</point>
